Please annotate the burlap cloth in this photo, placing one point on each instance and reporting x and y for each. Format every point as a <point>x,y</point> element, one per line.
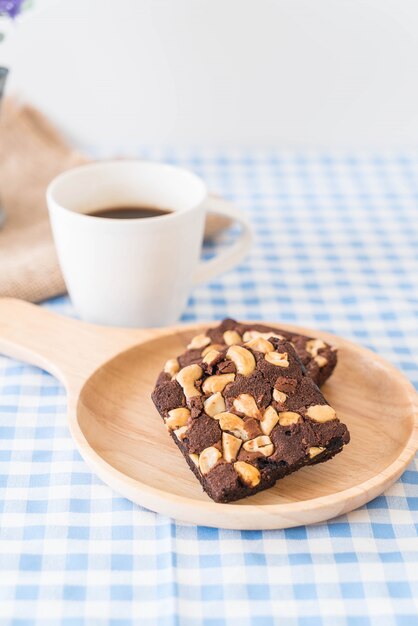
<point>32,152</point>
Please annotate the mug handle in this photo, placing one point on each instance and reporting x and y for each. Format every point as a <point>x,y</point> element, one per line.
<point>230,257</point>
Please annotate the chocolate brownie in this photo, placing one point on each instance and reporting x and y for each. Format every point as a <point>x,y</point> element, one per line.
<point>318,357</point>
<point>246,415</point>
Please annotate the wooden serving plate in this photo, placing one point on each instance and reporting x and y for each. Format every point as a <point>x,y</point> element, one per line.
<point>109,375</point>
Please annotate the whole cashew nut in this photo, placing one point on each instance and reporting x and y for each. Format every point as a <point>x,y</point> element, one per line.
<point>244,360</point>
<point>187,378</point>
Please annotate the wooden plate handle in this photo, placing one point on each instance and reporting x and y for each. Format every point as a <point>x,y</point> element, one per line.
<point>67,348</point>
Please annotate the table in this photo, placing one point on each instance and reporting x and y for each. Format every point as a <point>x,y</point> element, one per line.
<point>336,248</point>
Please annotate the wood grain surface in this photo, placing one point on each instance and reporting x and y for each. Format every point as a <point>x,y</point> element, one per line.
<point>110,373</point>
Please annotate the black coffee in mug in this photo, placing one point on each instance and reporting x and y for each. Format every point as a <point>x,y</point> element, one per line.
<point>129,212</point>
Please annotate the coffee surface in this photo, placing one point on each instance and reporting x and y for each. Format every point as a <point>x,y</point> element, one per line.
<point>129,212</point>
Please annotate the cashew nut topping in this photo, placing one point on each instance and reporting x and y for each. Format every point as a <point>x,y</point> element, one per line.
<point>288,417</point>
<point>215,383</point>
<point>243,359</point>
<point>321,360</point>
<point>249,474</point>
<point>230,447</point>
<point>208,459</point>
<point>195,459</point>
<point>321,413</point>
<point>187,378</point>
<point>314,345</point>
<point>246,404</point>
<point>269,421</point>
<point>212,346</point>
<point>177,417</point>
<point>260,345</point>
<point>253,334</point>
<point>181,432</point>
<point>231,337</point>
<point>277,358</point>
<point>314,451</point>
<point>233,423</point>
<point>214,404</point>
<point>171,367</point>
<point>199,341</point>
<point>210,356</point>
<point>260,444</point>
<point>279,396</point>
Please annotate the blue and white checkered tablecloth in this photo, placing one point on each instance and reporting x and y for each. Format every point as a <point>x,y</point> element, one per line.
<point>336,248</point>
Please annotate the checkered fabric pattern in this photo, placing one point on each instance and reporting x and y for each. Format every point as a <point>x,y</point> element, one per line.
<point>336,248</point>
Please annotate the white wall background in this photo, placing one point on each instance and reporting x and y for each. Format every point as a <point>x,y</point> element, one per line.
<point>310,73</point>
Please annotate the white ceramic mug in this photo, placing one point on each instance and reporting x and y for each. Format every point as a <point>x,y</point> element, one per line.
<point>135,272</point>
